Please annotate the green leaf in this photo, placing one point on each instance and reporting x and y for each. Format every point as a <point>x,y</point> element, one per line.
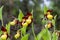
<point>45,9</point>
<point>0,38</point>
<point>53,22</point>
<point>1,12</point>
<point>35,38</point>
<point>55,17</point>
<point>0,32</point>
<point>8,39</point>
<point>25,37</point>
<point>39,36</point>
<point>8,28</point>
<point>54,36</point>
<point>23,30</point>
<point>20,15</point>
<point>44,21</point>
<point>45,34</point>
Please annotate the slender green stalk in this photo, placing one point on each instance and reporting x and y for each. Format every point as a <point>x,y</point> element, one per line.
<point>33,30</point>
<point>54,28</point>
<point>33,26</point>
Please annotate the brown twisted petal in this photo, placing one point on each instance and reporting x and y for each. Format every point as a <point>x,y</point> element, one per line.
<point>17,21</point>
<point>21,23</point>
<point>45,15</point>
<point>3,29</point>
<point>29,14</point>
<point>25,17</point>
<point>49,10</point>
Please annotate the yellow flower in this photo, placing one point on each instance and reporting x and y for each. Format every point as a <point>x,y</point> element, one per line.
<point>17,35</point>
<point>4,36</point>
<point>49,17</point>
<point>28,21</point>
<point>13,22</point>
<point>25,24</point>
<point>49,25</point>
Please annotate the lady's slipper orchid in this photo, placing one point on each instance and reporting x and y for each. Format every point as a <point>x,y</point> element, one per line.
<point>28,21</point>
<point>4,37</point>
<point>24,24</point>
<point>14,22</point>
<point>49,25</point>
<point>5,34</point>
<point>48,13</point>
<point>17,35</point>
<point>49,17</point>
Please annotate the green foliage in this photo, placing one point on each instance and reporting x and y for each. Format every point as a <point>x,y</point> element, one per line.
<point>45,9</point>
<point>54,36</point>
<point>44,21</point>
<point>0,39</point>
<point>54,20</point>
<point>23,30</point>
<point>8,28</point>
<point>25,37</point>
<point>55,17</point>
<point>39,36</point>
<point>20,15</point>
<point>1,12</point>
<point>44,34</point>
<point>47,35</point>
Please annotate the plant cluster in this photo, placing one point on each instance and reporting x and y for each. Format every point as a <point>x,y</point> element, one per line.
<point>48,22</point>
